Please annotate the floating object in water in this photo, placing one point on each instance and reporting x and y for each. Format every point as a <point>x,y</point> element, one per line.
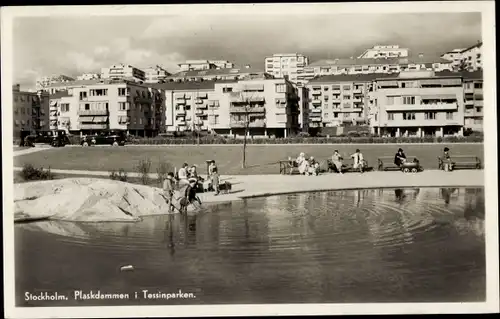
<point>127,268</point>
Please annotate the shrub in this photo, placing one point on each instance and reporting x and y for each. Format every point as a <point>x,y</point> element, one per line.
<point>303,134</point>
<point>143,168</point>
<point>31,173</point>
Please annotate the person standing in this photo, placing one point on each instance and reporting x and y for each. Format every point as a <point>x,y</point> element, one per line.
<point>183,174</point>
<point>215,180</point>
<point>447,163</point>
<point>168,188</point>
<point>358,161</point>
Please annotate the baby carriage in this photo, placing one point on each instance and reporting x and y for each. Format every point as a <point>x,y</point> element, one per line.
<point>413,166</point>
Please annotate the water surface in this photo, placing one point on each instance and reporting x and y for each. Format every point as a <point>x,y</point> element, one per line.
<point>404,245</point>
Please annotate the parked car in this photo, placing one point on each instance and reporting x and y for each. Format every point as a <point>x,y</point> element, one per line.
<point>105,138</point>
<point>56,138</point>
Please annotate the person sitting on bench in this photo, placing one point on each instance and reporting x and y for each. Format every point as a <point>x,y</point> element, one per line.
<point>359,162</point>
<point>302,164</point>
<point>337,161</point>
<point>313,167</point>
<point>447,163</point>
<point>400,158</point>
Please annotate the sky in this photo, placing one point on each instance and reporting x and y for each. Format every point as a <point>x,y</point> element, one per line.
<point>74,45</point>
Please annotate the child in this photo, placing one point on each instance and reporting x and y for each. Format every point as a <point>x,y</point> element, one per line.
<point>215,180</point>
<point>447,163</point>
<point>358,161</point>
<point>168,188</point>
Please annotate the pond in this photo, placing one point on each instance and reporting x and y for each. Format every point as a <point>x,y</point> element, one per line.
<point>380,245</point>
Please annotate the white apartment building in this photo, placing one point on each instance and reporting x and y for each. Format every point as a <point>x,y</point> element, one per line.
<point>214,74</point>
<point>269,105</point>
<point>46,81</point>
<point>156,74</point>
<point>108,105</point>
<point>384,51</point>
<point>374,66</point>
<point>470,58</point>
<point>287,65</point>
<point>198,65</point>
<point>123,71</point>
<point>421,103</point>
<point>88,76</point>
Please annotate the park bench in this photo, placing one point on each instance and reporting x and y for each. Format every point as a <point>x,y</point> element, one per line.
<point>462,161</point>
<point>289,167</point>
<point>347,168</point>
<point>386,163</point>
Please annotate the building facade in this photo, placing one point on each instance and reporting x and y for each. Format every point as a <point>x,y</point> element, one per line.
<point>123,71</point>
<point>469,59</point>
<point>473,94</point>
<point>200,65</point>
<point>290,66</point>
<point>46,81</point>
<point>384,51</point>
<point>214,74</point>
<point>30,110</point>
<point>422,103</point>
<point>156,74</point>
<point>338,100</point>
<point>109,105</point>
<point>88,76</point>
<point>374,66</point>
<point>268,106</point>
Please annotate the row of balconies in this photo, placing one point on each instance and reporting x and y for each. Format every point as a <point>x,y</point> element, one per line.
<point>241,124</point>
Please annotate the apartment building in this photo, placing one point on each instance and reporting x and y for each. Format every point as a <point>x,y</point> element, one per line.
<point>213,74</point>
<point>269,105</point>
<point>384,51</point>
<point>337,100</point>
<point>199,65</point>
<point>371,66</point>
<point>473,94</point>
<point>420,103</point>
<point>156,74</point>
<point>46,81</point>
<point>88,76</point>
<point>109,105</point>
<point>468,58</point>
<point>123,71</point>
<point>30,110</point>
<point>287,65</point>
<point>303,104</point>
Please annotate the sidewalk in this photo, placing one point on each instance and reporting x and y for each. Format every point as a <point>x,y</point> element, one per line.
<point>246,186</point>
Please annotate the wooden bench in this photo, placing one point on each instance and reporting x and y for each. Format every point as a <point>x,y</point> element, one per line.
<point>347,168</point>
<point>386,163</point>
<point>462,161</point>
<point>288,167</point>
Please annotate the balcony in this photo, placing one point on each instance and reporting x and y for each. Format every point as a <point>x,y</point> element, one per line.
<point>357,99</point>
<point>423,107</point>
<point>253,124</point>
<point>478,103</point>
<point>198,101</point>
<point>202,107</point>
<point>316,102</point>
<point>93,126</point>
<point>350,110</point>
<point>357,91</point>
<point>316,110</point>
<point>315,119</point>
<point>316,92</point>
<point>200,113</point>
<point>92,112</point>
<point>243,109</point>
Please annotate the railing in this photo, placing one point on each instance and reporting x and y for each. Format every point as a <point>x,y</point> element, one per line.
<point>92,126</point>
<point>92,112</point>
<point>243,109</point>
<point>422,107</point>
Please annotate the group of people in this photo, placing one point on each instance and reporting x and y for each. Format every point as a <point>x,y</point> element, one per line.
<point>188,182</point>
<point>359,163</point>
<point>312,167</point>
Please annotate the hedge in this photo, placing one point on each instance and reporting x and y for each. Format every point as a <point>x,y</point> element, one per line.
<point>304,140</point>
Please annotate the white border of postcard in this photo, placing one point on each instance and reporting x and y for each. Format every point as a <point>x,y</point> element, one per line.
<point>487,8</point>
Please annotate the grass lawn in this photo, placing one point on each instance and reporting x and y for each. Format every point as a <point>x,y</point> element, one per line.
<point>261,159</point>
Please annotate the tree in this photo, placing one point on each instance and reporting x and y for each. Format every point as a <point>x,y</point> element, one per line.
<point>246,100</point>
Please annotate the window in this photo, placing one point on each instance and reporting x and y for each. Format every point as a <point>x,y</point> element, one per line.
<point>326,115</point>
<point>479,109</point>
<point>449,115</point>
<point>390,100</point>
<point>226,90</point>
<point>22,110</point>
<point>407,84</point>
<point>346,87</point>
<point>87,106</point>
<point>326,98</point>
<point>390,116</point>
<point>325,88</point>
<point>346,97</point>
<point>478,85</point>
<point>140,120</point>
<point>408,100</point>
<point>408,116</point>
<point>98,92</point>
<point>430,115</point>
<point>123,106</point>
<point>123,91</point>
<point>65,107</point>
<point>15,98</point>
<point>280,88</point>
<point>335,115</point>
<point>83,96</point>
<point>376,116</point>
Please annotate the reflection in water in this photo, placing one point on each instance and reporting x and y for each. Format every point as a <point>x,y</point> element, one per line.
<point>403,245</point>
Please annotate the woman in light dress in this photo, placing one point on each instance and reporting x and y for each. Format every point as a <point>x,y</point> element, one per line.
<point>337,161</point>
<point>302,163</point>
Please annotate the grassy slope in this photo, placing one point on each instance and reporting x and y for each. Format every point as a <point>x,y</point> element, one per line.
<point>261,159</point>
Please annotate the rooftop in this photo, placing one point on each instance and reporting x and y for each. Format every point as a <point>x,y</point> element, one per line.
<point>368,61</point>
<point>79,83</point>
<point>351,78</point>
<point>59,94</point>
<point>188,85</point>
<point>215,72</point>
